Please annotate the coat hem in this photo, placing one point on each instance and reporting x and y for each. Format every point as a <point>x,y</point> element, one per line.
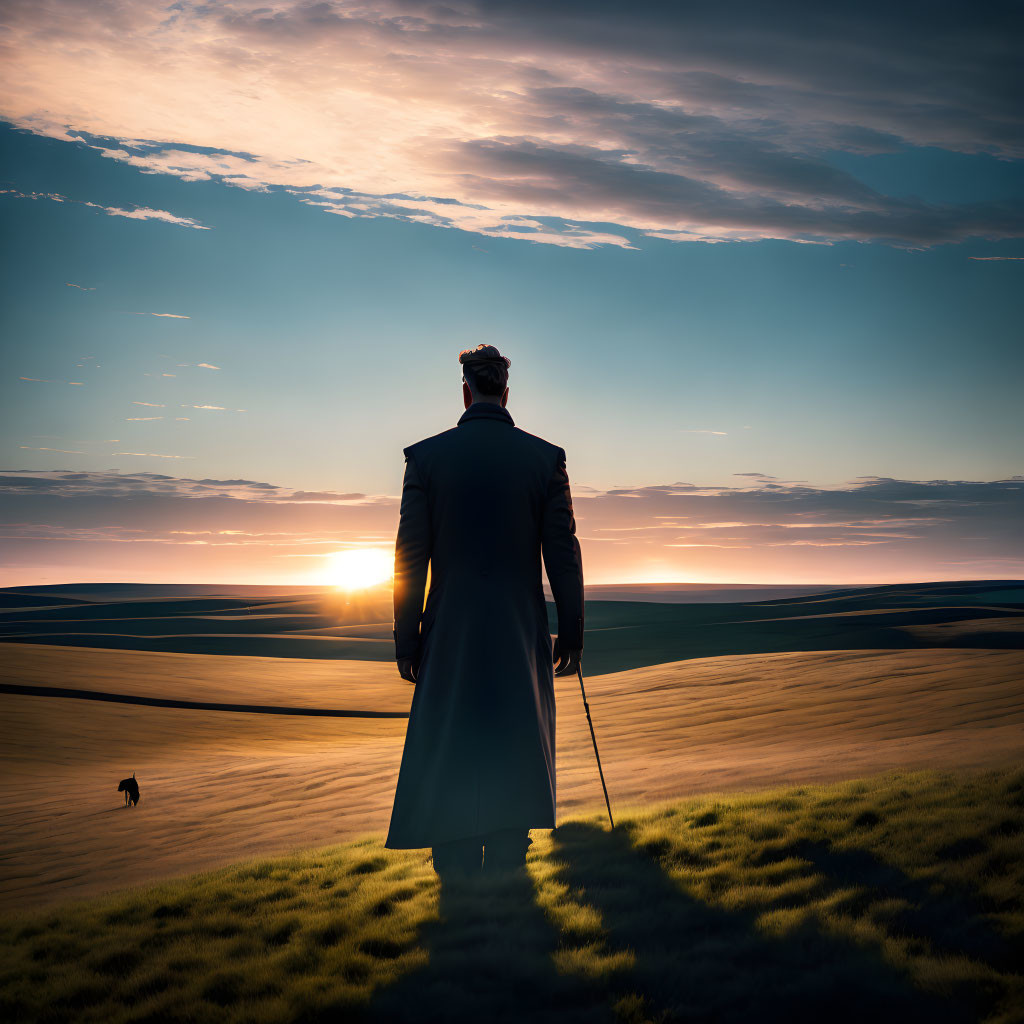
<point>397,844</point>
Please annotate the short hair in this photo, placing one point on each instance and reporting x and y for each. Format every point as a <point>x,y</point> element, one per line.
<point>485,369</point>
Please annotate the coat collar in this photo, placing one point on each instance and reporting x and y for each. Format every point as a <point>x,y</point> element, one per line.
<point>486,410</point>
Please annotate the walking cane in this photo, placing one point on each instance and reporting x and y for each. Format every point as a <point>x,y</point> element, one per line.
<point>579,672</point>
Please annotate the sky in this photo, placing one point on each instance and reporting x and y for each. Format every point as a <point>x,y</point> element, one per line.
<point>757,268</point>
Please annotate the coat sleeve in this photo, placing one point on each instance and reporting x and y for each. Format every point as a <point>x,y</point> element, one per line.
<point>412,554</point>
<point>563,559</point>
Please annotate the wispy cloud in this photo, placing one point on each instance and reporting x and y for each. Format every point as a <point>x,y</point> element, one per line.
<point>218,408</point>
<point>154,405</point>
<point>141,419</point>
<point>565,124</point>
<point>139,213</point>
<point>716,433</point>
<point>62,451</point>
<point>712,544</point>
<point>52,437</point>
<point>55,196</point>
<point>872,530</point>
<point>153,455</point>
<point>995,259</point>
<point>173,316</point>
<point>208,366</point>
<point>145,213</point>
<point>79,287</point>
<point>42,380</point>
<point>97,483</point>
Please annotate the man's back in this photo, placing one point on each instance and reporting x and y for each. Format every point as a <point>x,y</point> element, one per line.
<point>489,490</point>
<point>484,504</point>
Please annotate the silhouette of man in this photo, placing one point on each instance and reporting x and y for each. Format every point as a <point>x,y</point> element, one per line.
<point>483,503</point>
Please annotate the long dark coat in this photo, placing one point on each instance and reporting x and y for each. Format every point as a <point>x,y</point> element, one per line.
<point>482,502</point>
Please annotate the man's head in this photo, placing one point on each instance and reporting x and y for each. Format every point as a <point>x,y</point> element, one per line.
<point>484,375</point>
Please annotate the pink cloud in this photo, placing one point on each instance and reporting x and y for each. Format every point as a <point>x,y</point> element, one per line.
<point>871,531</point>
<point>654,120</point>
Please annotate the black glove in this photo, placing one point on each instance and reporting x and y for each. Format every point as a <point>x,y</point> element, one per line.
<point>566,660</point>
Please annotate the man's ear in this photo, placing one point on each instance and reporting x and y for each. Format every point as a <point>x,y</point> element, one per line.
<point>467,395</point>
<point>504,398</point>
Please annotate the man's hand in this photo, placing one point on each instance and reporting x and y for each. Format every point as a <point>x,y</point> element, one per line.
<point>566,661</point>
<point>405,669</point>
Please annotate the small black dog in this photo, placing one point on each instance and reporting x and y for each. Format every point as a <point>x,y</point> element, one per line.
<point>130,788</point>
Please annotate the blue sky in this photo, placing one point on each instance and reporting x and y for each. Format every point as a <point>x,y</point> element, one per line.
<point>843,316</point>
<point>340,340</point>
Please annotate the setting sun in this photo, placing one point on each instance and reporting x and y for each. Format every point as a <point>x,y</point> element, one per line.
<point>359,567</point>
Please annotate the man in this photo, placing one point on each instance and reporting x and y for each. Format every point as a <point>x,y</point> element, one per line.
<point>483,503</point>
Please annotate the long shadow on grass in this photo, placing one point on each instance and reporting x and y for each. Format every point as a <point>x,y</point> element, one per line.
<point>949,919</point>
<point>490,960</point>
<point>700,963</point>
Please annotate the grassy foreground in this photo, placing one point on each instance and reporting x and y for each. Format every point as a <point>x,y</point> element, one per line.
<point>896,897</point>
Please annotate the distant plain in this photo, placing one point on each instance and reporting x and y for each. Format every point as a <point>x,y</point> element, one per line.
<point>689,695</point>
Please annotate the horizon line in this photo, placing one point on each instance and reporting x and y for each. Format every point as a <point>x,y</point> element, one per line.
<point>620,583</point>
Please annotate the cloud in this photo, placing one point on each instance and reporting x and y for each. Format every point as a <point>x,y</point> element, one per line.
<point>173,316</point>
<point>155,405</point>
<point>88,484</point>
<point>871,530</point>
<point>41,380</point>
<point>984,259</point>
<point>565,123</point>
<point>219,408</point>
<point>716,433</point>
<point>208,366</point>
<point>79,287</point>
<point>145,213</point>
<point>152,455</point>
<point>139,213</point>
<point>140,419</point>
<point>62,451</point>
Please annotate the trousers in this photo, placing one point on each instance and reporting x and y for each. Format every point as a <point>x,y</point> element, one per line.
<point>491,851</point>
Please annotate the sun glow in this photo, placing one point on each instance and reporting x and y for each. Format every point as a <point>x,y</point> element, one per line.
<point>359,567</point>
